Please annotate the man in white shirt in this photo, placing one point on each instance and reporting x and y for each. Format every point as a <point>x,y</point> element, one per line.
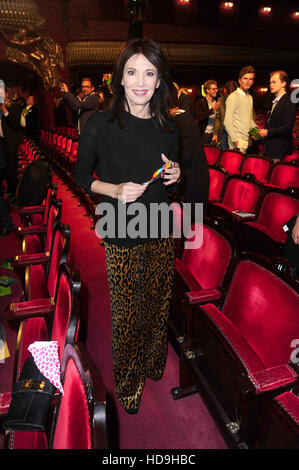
<point>239,119</point>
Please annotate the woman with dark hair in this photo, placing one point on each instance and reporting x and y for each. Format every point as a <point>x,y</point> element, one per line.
<point>123,147</point>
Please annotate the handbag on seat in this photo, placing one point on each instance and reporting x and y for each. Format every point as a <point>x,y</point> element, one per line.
<point>30,402</point>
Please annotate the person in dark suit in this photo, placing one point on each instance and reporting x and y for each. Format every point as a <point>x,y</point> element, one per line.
<point>30,119</point>
<point>6,223</point>
<point>12,135</point>
<point>195,179</point>
<point>278,132</point>
<point>206,108</point>
<point>86,106</point>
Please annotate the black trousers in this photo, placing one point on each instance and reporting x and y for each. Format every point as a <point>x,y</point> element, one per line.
<point>5,219</point>
<point>11,172</point>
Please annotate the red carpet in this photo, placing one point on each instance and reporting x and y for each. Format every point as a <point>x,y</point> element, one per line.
<point>161,423</point>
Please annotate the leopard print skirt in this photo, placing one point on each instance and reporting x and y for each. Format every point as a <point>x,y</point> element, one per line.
<point>140,282</point>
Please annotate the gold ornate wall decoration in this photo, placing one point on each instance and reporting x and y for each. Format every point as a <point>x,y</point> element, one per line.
<point>27,43</point>
<point>20,14</point>
<point>80,53</point>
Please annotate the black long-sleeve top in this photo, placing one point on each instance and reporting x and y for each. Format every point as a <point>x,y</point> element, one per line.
<point>114,155</point>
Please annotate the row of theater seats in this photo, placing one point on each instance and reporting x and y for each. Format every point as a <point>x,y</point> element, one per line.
<point>50,311</point>
<point>255,213</point>
<point>235,317</point>
<point>234,324</point>
<point>261,166</point>
<point>62,153</point>
<point>225,322</point>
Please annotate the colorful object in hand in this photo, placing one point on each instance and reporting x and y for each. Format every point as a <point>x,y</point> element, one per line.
<point>254,133</point>
<point>158,173</point>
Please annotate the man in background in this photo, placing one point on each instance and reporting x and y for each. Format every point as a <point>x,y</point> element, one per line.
<point>219,132</point>
<point>206,108</point>
<point>11,136</point>
<point>85,107</point>
<point>278,133</point>
<point>30,118</point>
<point>239,118</point>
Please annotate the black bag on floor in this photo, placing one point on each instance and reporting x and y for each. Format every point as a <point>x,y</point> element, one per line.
<point>34,184</point>
<point>30,400</point>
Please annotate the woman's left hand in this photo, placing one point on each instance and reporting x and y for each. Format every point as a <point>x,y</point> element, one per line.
<point>173,174</point>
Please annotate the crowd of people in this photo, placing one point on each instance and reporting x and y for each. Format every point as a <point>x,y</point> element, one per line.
<point>140,120</point>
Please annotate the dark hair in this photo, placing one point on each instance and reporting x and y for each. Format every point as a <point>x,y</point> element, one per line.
<point>230,86</point>
<point>87,79</point>
<point>162,97</point>
<point>247,69</point>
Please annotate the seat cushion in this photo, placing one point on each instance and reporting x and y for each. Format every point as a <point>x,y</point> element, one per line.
<point>277,235</point>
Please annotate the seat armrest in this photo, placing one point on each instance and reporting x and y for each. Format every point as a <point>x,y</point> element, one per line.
<point>29,309</point>
<point>33,258</point>
<point>204,295</point>
<point>31,210</point>
<point>31,229</point>
<point>269,380</point>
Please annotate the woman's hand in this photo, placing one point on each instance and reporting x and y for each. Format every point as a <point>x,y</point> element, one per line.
<point>129,192</point>
<point>173,174</point>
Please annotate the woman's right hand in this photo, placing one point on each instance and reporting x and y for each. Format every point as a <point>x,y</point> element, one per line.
<point>129,192</point>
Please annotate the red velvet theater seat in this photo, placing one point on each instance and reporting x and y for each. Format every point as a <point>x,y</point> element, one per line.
<point>203,270</point>
<point>212,154</point>
<point>240,354</point>
<point>265,234</point>
<point>38,236</point>
<point>279,423</point>
<point>82,406</point>
<point>240,193</point>
<point>42,321</point>
<point>231,161</point>
<point>59,322</point>
<point>217,179</point>
<point>258,165</point>
<point>293,156</point>
<point>80,416</point>
<point>39,270</point>
<point>38,215</point>
<point>285,175</point>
